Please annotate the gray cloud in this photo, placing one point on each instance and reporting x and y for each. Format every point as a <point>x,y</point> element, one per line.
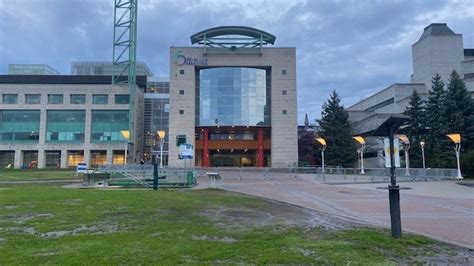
<point>355,47</point>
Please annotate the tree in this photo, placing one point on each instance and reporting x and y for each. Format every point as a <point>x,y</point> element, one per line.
<point>336,130</point>
<point>438,153</point>
<point>416,127</point>
<point>307,149</point>
<point>459,111</point>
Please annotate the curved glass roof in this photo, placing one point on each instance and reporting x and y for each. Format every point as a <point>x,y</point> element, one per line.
<point>233,36</point>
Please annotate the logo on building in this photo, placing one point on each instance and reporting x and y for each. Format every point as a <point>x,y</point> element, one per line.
<point>180,59</point>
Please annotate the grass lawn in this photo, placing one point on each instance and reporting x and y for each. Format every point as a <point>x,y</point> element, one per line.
<point>36,174</point>
<point>50,224</point>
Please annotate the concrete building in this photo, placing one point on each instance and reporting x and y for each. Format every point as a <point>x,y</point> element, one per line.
<point>59,121</point>
<point>439,50</point>
<point>233,99</point>
<point>31,69</point>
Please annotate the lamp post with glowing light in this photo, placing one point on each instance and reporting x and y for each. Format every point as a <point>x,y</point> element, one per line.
<point>126,136</point>
<point>361,141</point>
<point>406,147</point>
<point>422,143</point>
<point>161,134</point>
<point>323,147</point>
<point>456,138</point>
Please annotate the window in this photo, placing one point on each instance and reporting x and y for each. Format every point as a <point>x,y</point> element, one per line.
<point>100,99</point>
<point>181,71</point>
<point>78,98</point>
<point>181,92</point>
<point>33,98</point>
<point>10,98</point>
<point>284,92</point>
<point>55,98</point>
<point>65,125</point>
<point>181,112</point>
<point>284,112</point>
<point>283,71</point>
<point>107,125</point>
<point>122,99</point>
<point>19,125</point>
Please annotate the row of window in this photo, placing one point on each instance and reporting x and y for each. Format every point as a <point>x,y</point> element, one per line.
<point>63,125</point>
<point>59,98</point>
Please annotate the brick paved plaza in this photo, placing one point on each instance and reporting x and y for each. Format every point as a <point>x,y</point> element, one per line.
<point>441,210</point>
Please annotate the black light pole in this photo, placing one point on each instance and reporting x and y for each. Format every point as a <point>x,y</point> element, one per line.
<point>155,172</point>
<point>394,192</point>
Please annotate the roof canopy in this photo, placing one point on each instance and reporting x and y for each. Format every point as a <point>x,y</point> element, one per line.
<point>233,37</point>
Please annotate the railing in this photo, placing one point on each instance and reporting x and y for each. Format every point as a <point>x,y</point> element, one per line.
<point>331,175</point>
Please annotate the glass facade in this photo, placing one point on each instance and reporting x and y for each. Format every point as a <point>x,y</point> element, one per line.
<point>122,99</point>
<point>33,98</point>
<point>100,99</point>
<point>55,98</point>
<point>98,158</point>
<point>156,117</point>
<point>106,125</point>
<point>10,98</point>
<point>53,159</point>
<point>158,87</point>
<point>233,96</point>
<point>74,158</point>
<point>78,99</point>
<point>19,125</point>
<point>7,159</point>
<point>65,125</point>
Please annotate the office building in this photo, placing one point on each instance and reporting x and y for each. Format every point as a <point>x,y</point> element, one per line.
<point>59,121</point>
<point>439,50</point>
<point>234,99</point>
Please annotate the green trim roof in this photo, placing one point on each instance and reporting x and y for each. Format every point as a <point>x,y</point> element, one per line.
<point>233,30</point>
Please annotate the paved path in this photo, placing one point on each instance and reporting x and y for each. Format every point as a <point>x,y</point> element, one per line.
<point>441,210</point>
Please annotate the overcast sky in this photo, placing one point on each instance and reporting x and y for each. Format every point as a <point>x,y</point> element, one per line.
<point>354,47</point>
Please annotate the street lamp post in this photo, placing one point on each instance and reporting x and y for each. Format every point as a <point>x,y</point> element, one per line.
<point>422,143</point>
<point>161,134</point>
<point>126,136</point>
<point>456,138</point>
<point>323,147</point>
<point>406,147</point>
<point>361,141</point>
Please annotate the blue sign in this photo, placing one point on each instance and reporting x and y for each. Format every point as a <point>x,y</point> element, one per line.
<point>186,151</point>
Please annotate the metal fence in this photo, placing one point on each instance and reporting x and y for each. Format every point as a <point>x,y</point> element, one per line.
<point>331,175</point>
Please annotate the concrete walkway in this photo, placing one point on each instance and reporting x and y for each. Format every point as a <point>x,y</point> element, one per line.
<point>441,210</point>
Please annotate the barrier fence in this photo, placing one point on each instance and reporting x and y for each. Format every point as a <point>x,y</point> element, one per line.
<point>331,175</point>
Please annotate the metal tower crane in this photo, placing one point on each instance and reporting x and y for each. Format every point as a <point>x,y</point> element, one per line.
<point>125,52</point>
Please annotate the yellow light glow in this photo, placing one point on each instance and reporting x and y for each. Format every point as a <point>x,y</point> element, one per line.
<point>161,134</point>
<point>125,134</point>
<point>455,137</point>
<point>321,141</point>
<point>404,139</point>
<point>359,139</point>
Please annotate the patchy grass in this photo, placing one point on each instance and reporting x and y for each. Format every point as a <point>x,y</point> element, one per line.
<point>49,224</point>
<point>36,174</point>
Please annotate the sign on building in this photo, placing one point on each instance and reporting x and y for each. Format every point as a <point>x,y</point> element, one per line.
<point>396,152</point>
<point>186,151</point>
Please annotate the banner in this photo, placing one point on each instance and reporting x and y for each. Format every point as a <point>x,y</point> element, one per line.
<point>396,152</point>
<point>186,151</point>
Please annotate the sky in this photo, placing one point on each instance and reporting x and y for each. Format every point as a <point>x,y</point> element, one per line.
<point>354,47</point>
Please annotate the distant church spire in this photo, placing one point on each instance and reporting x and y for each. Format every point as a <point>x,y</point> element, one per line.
<point>306,121</point>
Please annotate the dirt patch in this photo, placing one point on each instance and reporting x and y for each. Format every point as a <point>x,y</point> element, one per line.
<point>22,218</point>
<point>22,230</point>
<point>101,228</point>
<point>10,207</point>
<point>443,254</point>
<point>225,239</point>
<point>277,215</point>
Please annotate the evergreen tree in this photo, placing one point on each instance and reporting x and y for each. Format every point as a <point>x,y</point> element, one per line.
<point>416,128</point>
<point>336,130</point>
<point>308,150</point>
<point>459,111</point>
<point>438,152</point>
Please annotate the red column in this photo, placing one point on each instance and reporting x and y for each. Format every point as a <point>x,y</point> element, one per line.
<point>260,157</point>
<point>205,147</point>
